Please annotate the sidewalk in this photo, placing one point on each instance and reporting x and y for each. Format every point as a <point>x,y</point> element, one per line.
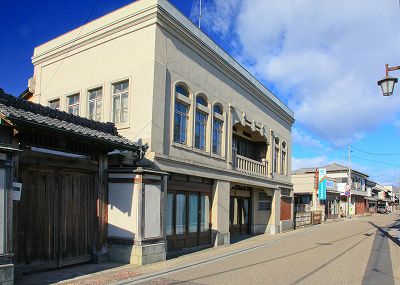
<point>115,273</point>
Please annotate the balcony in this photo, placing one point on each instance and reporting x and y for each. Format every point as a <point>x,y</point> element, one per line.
<point>250,166</point>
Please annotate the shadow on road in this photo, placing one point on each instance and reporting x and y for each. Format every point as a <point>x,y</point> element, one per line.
<point>385,233</point>
<point>319,245</point>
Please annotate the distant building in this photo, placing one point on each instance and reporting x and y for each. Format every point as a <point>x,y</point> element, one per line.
<point>305,192</point>
<point>358,193</point>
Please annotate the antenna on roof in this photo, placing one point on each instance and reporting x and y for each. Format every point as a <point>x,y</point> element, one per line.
<point>200,14</point>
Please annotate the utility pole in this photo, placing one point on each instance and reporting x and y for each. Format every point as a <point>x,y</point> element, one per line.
<point>349,179</point>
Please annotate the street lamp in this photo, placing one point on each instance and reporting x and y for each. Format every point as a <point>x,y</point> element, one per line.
<point>387,83</point>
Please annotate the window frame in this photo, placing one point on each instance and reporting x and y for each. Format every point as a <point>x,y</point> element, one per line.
<point>283,159</point>
<point>53,100</point>
<point>217,117</point>
<point>95,101</point>
<point>202,123</point>
<point>264,202</point>
<point>186,117</point>
<point>184,100</point>
<point>202,109</point>
<point>119,94</point>
<point>75,105</point>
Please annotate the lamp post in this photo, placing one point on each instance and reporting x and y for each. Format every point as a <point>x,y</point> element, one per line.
<point>387,83</point>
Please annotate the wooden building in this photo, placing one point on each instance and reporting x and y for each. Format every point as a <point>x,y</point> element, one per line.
<point>62,162</point>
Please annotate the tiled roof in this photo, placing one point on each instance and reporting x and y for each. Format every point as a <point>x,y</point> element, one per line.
<point>19,110</point>
<point>329,167</point>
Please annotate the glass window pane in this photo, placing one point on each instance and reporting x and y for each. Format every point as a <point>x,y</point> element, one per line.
<point>201,101</point>
<point>205,213</point>
<point>116,117</point>
<point>116,102</point>
<point>124,116</point>
<point>91,110</point>
<point>170,214</point>
<point>193,212</point>
<point>182,90</point>
<point>217,109</point>
<point>183,130</point>
<point>177,127</point>
<point>55,104</point>
<point>245,218</point>
<point>124,103</point>
<point>180,218</point>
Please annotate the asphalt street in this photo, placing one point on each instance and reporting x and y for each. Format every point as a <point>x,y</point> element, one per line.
<point>363,250</point>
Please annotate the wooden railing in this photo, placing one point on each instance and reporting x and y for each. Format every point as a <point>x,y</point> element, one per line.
<point>250,166</point>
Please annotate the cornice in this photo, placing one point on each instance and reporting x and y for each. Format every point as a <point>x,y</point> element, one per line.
<point>166,20</point>
<point>103,32</point>
<point>165,15</point>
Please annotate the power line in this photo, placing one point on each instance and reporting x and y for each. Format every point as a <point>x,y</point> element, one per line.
<point>387,163</point>
<point>373,153</point>
<point>80,31</point>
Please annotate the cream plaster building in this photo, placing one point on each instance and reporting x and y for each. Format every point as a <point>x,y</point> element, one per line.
<point>222,137</point>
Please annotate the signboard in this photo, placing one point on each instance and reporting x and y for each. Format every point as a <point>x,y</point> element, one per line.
<point>330,184</point>
<point>17,187</point>
<point>322,183</point>
<point>347,193</point>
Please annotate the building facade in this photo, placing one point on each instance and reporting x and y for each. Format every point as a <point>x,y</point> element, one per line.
<point>223,139</point>
<point>356,203</point>
<point>306,195</point>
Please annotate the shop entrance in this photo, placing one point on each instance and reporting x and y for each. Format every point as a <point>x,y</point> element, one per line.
<point>239,212</point>
<point>188,213</point>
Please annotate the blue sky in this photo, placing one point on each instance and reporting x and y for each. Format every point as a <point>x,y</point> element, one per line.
<point>319,57</point>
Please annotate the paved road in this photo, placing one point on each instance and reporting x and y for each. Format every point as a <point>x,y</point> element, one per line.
<point>360,251</point>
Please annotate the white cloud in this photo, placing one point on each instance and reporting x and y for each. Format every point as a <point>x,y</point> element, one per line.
<point>323,57</point>
<point>309,162</point>
<point>388,176</point>
<point>302,138</point>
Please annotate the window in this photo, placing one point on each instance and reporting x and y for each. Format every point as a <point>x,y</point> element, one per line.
<point>180,122</point>
<point>264,202</point>
<point>54,104</point>
<point>217,136</point>
<point>200,130</point>
<point>276,155</point>
<point>283,159</point>
<point>181,117</point>
<point>200,126</point>
<point>120,102</point>
<point>200,100</point>
<point>217,130</point>
<point>73,104</point>
<point>217,109</point>
<point>95,101</point>
<point>182,90</point>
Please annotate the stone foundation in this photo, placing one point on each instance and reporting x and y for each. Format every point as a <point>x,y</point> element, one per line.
<point>286,225</point>
<point>221,238</point>
<point>137,254</point>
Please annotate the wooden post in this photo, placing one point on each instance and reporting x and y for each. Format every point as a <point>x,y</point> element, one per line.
<point>101,206</point>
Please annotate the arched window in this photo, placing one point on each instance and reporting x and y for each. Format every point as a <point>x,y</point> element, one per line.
<point>218,109</point>
<point>180,89</point>
<point>200,127</point>
<point>283,159</point>
<point>201,100</point>
<point>181,115</point>
<point>276,155</point>
<point>218,123</point>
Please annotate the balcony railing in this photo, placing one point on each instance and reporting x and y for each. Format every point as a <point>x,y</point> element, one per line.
<point>250,166</point>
